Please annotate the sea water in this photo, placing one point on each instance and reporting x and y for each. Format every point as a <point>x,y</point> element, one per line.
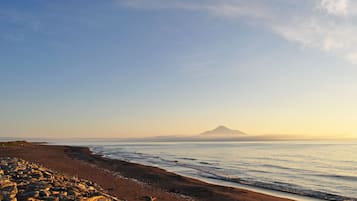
<point>324,170</point>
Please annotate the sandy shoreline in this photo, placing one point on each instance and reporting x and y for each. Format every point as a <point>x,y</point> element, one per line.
<point>126,180</point>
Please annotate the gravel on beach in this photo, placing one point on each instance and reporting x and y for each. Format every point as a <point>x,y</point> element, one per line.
<point>25,181</point>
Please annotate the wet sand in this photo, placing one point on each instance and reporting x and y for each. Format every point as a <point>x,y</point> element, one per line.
<point>129,181</point>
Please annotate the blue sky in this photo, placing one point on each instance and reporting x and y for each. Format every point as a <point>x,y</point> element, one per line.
<point>154,67</point>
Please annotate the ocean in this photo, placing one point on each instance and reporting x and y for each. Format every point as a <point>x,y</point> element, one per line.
<point>323,170</point>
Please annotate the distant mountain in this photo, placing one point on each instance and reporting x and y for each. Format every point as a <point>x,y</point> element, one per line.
<point>222,131</point>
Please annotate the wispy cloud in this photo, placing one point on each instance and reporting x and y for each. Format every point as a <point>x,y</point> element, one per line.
<point>335,7</point>
<point>328,25</point>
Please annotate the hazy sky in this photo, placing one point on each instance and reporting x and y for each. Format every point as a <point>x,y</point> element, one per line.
<point>106,68</point>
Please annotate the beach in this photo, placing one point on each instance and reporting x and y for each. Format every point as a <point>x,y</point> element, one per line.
<point>178,100</point>
<point>124,180</point>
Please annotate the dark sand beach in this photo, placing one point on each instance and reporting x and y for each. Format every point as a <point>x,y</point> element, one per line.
<point>129,181</point>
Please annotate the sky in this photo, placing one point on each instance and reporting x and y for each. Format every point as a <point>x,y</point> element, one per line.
<point>138,68</point>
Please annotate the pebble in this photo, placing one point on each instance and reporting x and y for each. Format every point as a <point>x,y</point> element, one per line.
<point>150,198</point>
<point>21,180</point>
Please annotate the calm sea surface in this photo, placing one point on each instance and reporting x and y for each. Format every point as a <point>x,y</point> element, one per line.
<point>325,170</point>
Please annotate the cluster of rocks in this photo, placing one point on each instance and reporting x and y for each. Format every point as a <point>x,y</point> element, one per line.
<point>22,180</point>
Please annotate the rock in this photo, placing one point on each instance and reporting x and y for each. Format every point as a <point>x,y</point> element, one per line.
<point>33,199</point>
<point>74,193</point>
<point>31,194</point>
<point>82,186</point>
<point>8,190</point>
<point>58,188</point>
<point>47,175</point>
<point>22,180</point>
<point>36,175</point>
<point>6,183</point>
<point>149,198</point>
<point>55,192</point>
<point>96,198</point>
<point>91,188</point>
<point>44,193</point>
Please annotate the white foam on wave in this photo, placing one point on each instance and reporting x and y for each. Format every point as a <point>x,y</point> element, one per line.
<point>210,171</point>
